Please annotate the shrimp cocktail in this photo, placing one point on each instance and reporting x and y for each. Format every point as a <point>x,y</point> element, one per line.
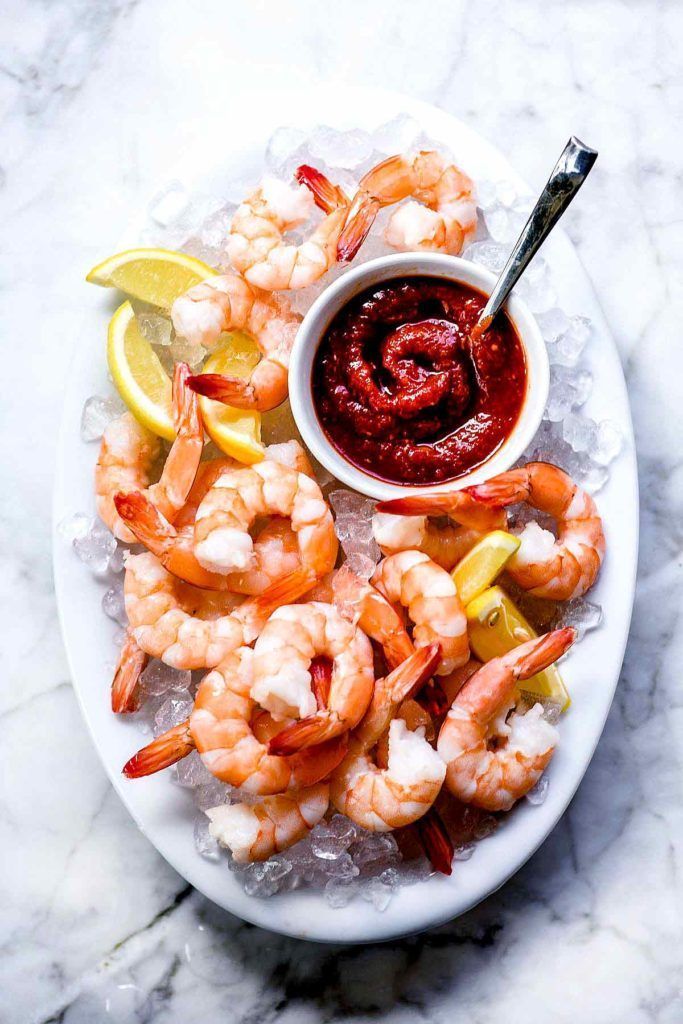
<point>353,691</point>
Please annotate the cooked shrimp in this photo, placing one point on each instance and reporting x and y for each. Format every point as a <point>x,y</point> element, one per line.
<point>442,215</point>
<point>277,548</point>
<point>189,628</point>
<point>257,831</point>
<point>222,542</point>
<point>219,728</point>
<point>364,604</point>
<point>413,580</point>
<point>128,452</point>
<point>557,569</point>
<point>461,507</point>
<point>256,245</point>
<point>494,757</point>
<point>445,544</point>
<point>382,799</point>
<point>293,636</point>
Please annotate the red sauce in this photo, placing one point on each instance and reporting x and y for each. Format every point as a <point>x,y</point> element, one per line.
<point>405,393</point>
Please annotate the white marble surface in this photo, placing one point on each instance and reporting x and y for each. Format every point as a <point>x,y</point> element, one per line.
<point>95,99</point>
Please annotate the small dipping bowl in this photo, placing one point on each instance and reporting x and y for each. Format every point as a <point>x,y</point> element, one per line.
<point>375,272</point>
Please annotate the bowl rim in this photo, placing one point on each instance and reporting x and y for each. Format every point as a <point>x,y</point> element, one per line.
<point>413,264</point>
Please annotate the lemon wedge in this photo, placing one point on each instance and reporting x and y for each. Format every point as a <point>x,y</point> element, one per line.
<point>237,432</point>
<point>157,276</point>
<point>480,566</point>
<point>495,626</point>
<point>138,374</point>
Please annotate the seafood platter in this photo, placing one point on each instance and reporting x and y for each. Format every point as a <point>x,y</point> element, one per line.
<point>357,607</point>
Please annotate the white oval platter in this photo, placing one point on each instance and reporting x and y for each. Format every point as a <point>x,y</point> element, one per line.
<point>165,812</point>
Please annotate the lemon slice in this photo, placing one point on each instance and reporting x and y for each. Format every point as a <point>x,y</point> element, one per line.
<point>237,432</point>
<point>495,626</point>
<point>480,566</point>
<point>157,276</point>
<point>138,374</point>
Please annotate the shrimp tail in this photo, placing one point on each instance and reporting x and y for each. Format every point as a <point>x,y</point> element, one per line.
<point>318,762</point>
<point>146,522</point>
<point>436,841</point>
<point>186,416</point>
<point>162,752</point>
<point>124,687</point>
<point>286,590</point>
<point>308,732</point>
<point>504,489</point>
<point>321,680</point>
<point>360,219</point>
<point>328,197</point>
<point>406,680</point>
<point>221,388</point>
<point>537,654</point>
<point>465,508</point>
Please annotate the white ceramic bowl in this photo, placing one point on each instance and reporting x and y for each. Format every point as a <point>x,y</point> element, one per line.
<point>412,264</point>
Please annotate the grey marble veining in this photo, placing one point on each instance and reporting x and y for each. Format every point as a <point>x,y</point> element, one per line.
<point>95,97</point>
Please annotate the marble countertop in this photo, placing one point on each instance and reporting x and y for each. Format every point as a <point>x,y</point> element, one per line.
<point>95,97</point>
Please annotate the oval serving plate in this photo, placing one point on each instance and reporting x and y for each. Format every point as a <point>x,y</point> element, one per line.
<point>165,812</point>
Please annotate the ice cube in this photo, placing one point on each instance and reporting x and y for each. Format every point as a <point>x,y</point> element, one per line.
<point>74,527</point>
<point>503,223</point>
<point>158,679</point>
<point>211,794</point>
<point>329,839</point>
<point>377,893</point>
<point>590,475</point>
<point>374,850</point>
<point>152,324</point>
<point>172,712</point>
<point>552,711</point>
<point>580,432</point>
<point>464,851</point>
<point>340,891</point>
<point>361,565</point>
<point>506,193</point>
<point>395,136</point>
<point>571,343</point>
<point>486,193</point>
<point>181,351</point>
<point>487,254</point>
<point>607,443</point>
<point>347,149</point>
<point>262,879</point>
<point>539,792</point>
<point>190,773</point>
<point>414,871</point>
<point>215,228</point>
<point>341,867</point>
<point>390,877</point>
<point>113,604</point>
<point>96,547</point>
<point>283,144</point>
<point>560,400</point>
<point>353,525</point>
<point>98,412</point>
<point>169,204</point>
<point>117,562</point>
<point>553,322</point>
<point>204,842</point>
<point>581,614</point>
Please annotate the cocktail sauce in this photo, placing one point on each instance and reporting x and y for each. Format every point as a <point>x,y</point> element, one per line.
<point>405,393</point>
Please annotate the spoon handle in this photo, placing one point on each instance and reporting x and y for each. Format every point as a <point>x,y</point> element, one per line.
<point>569,174</point>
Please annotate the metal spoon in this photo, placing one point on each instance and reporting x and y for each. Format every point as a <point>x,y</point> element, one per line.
<point>569,174</point>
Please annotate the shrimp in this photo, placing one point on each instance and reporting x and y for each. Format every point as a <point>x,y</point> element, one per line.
<point>222,542</point>
<point>413,580</point>
<point>363,603</point>
<point>257,831</point>
<point>189,628</point>
<point>494,758</point>
<point>293,636</point>
<point>219,728</point>
<point>445,544</point>
<point>557,569</point>
<point>276,550</point>
<point>463,508</point>
<point>257,249</point>
<point>442,215</point>
<point>382,799</point>
<point>128,452</point>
